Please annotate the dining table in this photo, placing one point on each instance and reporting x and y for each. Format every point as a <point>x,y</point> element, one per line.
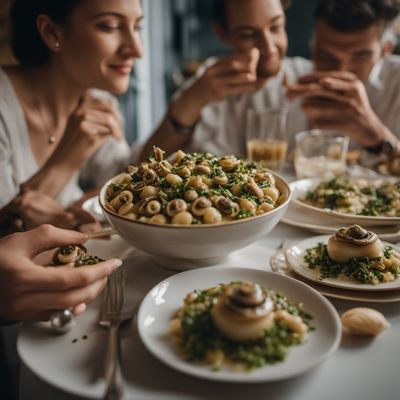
<point>70,366</point>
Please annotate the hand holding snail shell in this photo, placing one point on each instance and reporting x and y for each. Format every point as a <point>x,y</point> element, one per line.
<point>63,321</point>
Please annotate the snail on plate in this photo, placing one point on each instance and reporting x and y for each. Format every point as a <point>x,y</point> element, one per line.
<point>353,242</point>
<point>243,312</point>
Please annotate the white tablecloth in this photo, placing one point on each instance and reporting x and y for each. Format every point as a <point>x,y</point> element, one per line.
<point>361,369</point>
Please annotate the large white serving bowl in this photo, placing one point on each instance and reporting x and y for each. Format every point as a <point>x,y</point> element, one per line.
<point>183,247</point>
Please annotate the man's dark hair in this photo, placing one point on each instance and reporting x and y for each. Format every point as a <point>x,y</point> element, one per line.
<point>26,42</point>
<point>219,11</point>
<point>355,15</point>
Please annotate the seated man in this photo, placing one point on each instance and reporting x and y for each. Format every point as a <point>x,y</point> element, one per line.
<point>209,113</point>
<point>357,84</point>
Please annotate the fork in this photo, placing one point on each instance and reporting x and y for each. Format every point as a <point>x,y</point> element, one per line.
<point>111,317</point>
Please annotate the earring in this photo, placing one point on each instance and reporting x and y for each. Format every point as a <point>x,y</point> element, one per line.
<point>57,45</point>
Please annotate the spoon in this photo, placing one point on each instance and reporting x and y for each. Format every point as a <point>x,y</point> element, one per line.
<point>62,321</point>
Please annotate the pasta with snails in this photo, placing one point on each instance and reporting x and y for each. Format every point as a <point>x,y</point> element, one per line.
<point>192,189</point>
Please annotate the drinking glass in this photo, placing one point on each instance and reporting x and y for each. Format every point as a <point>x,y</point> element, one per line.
<point>320,153</point>
<point>266,136</point>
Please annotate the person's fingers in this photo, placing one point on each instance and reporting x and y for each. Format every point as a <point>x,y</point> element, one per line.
<point>337,96</point>
<point>107,124</point>
<point>234,79</point>
<point>90,227</point>
<point>81,216</point>
<point>229,66</point>
<point>79,309</point>
<point>65,278</point>
<point>104,106</point>
<point>241,88</point>
<point>300,90</point>
<point>47,237</point>
<point>339,86</point>
<point>323,111</point>
<point>317,76</point>
<point>45,300</point>
<point>342,125</point>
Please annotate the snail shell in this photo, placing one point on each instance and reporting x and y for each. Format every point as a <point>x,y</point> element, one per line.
<point>221,179</point>
<point>243,312</point>
<point>149,207</point>
<point>227,206</point>
<point>69,254</point>
<point>364,321</point>
<point>175,206</point>
<point>353,242</point>
<point>200,205</point>
<point>150,176</point>
<point>158,153</point>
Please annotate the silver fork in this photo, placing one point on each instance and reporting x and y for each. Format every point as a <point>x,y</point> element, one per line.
<point>112,316</point>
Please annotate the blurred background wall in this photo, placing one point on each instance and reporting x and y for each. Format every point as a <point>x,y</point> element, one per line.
<point>5,51</point>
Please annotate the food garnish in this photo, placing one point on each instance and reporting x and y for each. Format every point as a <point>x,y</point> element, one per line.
<point>357,196</point>
<point>240,325</point>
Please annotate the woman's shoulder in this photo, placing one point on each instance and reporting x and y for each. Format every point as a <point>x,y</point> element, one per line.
<point>7,92</point>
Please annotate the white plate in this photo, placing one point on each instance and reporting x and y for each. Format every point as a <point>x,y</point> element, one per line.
<point>326,224</point>
<point>301,187</point>
<point>279,265</point>
<point>164,299</point>
<point>78,368</point>
<point>295,257</point>
<point>92,206</point>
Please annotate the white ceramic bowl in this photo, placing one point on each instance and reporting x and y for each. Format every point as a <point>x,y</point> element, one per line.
<point>182,247</point>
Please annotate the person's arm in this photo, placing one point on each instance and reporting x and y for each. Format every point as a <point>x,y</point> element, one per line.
<point>32,291</point>
<point>229,76</point>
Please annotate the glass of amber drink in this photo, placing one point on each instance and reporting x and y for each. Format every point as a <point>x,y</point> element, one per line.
<point>266,136</point>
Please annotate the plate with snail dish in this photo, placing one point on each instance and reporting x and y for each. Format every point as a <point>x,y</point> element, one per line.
<point>352,258</point>
<point>366,201</point>
<point>238,324</point>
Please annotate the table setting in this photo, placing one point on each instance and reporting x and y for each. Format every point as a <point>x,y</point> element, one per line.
<point>163,264</point>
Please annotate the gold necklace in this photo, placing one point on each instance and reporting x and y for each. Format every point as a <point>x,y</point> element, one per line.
<point>52,138</point>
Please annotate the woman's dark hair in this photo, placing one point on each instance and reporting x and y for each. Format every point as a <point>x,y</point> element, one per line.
<point>219,11</point>
<point>355,15</point>
<point>26,42</point>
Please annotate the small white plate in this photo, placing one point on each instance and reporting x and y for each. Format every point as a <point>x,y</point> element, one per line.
<point>301,187</point>
<point>164,299</point>
<point>326,224</point>
<point>279,265</point>
<point>92,206</point>
<point>295,257</point>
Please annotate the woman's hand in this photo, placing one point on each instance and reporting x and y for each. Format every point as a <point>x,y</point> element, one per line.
<point>91,124</point>
<point>31,291</point>
<point>36,208</point>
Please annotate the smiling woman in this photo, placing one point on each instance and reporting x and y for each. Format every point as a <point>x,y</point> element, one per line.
<point>53,125</point>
